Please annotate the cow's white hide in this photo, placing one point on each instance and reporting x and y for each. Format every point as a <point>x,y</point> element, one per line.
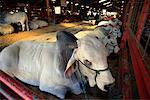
<point>38,64</point>
<point>35,24</point>
<point>6,29</point>
<point>109,38</point>
<point>115,31</point>
<point>117,21</point>
<point>18,17</point>
<point>104,23</point>
<point>114,22</point>
<point>102,34</point>
<point>41,23</point>
<point>92,50</point>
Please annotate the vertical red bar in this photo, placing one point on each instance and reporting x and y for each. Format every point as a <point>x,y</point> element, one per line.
<point>140,71</point>
<point>143,17</point>
<point>124,75</point>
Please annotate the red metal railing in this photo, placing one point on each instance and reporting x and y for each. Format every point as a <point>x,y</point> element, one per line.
<point>140,71</point>
<point>124,79</point>
<point>17,87</point>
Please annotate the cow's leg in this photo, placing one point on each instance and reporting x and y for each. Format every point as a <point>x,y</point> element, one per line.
<point>27,25</point>
<point>23,26</point>
<point>56,90</point>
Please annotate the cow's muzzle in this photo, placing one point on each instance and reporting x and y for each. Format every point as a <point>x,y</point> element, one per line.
<point>113,91</point>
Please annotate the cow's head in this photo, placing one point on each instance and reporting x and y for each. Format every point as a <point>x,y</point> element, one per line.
<point>116,31</point>
<point>92,58</point>
<point>108,35</point>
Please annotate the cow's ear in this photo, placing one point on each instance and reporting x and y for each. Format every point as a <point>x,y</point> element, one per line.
<point>71,66</point>
<point>73,45</point>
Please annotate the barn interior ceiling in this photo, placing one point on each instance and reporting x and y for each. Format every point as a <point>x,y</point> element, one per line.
<point>112,5</point>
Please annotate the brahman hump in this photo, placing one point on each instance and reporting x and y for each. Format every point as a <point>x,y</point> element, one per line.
<point>106,36</point>
<point>113,22</point>
<point>43,64</point>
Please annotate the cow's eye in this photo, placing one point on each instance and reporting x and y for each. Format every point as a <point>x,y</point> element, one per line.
<point>87,63</point>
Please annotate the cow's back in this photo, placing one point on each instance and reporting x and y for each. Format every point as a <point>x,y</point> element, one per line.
<point>9,58</point>
<point>16,17</point>
<point>33,58</point>
<point>25,60</point>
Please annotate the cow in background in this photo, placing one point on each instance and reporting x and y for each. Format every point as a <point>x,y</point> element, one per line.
<point>17,17</point>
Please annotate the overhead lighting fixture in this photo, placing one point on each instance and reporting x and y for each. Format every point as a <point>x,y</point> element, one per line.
<point>87,7</point>
<point>76,4</point>
<point>107,3</point>
<point>67,2</point>
<point>102,1</point>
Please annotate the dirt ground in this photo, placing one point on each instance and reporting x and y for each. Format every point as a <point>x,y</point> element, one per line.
<point>48,34</point>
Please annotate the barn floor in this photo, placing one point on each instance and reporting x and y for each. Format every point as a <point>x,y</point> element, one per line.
<point>48,34</point>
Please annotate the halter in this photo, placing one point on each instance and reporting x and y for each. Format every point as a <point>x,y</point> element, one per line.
<point>111,44</point>
<point>96,71</point>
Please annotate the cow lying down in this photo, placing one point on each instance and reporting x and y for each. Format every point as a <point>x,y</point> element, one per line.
<point>51,66</point>
<point>6,29</point>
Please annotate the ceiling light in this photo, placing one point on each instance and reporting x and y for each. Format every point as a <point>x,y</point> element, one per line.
<point>67,2</point>
<point>82,6</point>
<point>87,6</point>
<point>76,4</point>
<point>107,3</point>
<point>102,1</point>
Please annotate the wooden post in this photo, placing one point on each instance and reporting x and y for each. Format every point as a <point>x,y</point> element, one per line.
<point>48,10</point>
<point>29,11</point>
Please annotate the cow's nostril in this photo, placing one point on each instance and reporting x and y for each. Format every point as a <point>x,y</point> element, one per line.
<point>108,37</point>
<point>113,91</point>
<point>109,86</point>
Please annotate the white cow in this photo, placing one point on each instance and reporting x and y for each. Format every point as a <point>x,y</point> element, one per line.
<point>6,29</point>
<point>42,64</point>
<point>18,17</point>
<point>113,22</point>
<point>109,37</point>
<point>35,24</point>
<point>115,31</point>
